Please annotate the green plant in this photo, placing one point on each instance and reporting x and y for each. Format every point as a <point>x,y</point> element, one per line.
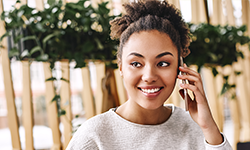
<point>214,46</point>
<point>74,31</point>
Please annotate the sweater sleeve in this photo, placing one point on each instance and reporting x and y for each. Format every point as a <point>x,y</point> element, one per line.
<point>223,146</point>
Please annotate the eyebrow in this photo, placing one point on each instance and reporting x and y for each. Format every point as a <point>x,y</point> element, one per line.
<point>163,54</point>
<point>158,56</point>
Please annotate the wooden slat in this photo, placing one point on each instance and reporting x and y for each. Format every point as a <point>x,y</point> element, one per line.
<point>110,97</point>
<point>176,3</point>
<point>87,95</point>
<point>113,88</point>
<point>100,75</point>
<point>235,113</point>
<point>122,94</point>
<point>24,2</point>
<point>212,96</point>
<point>243,97</point>
<point>234,106</point>
<point>220,98</point>
<point>246,14</point>
<point>230,12</point>
<point>8,89</point>
<point>66,103</point>
<point>52,108</point>
<point>40,5</point>
<point>245,49</point>
<point>217,16</point>
<point>27,106</point>
<point>198,11</point>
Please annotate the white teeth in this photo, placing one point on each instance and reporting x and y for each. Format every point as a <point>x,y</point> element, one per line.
<point>150,90</point>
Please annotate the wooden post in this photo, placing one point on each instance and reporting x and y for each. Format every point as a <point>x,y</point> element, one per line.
<point>9,91</point>
<point>66,103</point>
<point>52,108</point>
<point>40,5</point>
<point>113,88</point>
<point>87,95</point>
<point>212,96</point>
<point>234,106</point>
<point>122,94</point>
<point>198,11</point>
<point>218,81</point>
<point>218,16</point>
<point>246,14</point>
<point>27,106</point>
<point>176,3</point>
<point>245,50</point>
<point>100,75</point>
<point>243,97</point>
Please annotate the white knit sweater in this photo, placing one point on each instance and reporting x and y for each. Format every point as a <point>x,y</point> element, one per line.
<point>109,131</point>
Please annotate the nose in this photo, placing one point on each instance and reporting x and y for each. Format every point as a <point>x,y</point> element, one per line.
<point>149,74</point>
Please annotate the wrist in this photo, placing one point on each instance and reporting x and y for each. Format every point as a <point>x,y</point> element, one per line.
<point>212,135</point>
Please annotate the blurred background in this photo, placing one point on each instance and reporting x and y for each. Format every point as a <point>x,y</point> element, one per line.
<point>58,66</point>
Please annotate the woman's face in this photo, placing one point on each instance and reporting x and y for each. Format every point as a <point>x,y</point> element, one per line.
<point>149,68</point>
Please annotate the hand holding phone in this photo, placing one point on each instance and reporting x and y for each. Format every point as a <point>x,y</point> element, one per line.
<point>184,82</point>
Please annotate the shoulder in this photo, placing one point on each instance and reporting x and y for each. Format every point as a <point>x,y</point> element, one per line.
<point>97,122</point>
<point>87,134</point>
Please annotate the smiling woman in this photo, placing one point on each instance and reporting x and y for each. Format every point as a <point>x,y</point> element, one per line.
<point>153,37</point>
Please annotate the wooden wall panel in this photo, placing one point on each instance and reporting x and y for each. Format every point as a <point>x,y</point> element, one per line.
<point>52,108</point>
<point>212,96</point>
<point>218,17</point>
<point>27,105</point>
<point>122,94</point>
<point>198,11</point>
<point>87,95</point>
<point>8,88</point>
<point>40,4</point>
<point>100,75</point>
<point>66,103</point>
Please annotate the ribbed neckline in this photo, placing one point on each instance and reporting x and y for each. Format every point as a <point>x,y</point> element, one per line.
<point>146,126</point>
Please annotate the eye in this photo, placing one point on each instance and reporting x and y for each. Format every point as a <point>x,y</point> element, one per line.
<point>163,64</point>
<point>136,64</point>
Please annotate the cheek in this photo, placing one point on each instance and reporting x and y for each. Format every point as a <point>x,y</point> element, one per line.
<point>130,77</point>
<point>169,77</point>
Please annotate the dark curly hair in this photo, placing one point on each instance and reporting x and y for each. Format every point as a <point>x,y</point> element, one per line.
<point>151,15</point>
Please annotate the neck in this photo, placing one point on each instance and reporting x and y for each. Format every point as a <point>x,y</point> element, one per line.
<point>136,114</point>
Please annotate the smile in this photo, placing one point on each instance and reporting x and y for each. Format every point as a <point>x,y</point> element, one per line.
<point>153,90</point>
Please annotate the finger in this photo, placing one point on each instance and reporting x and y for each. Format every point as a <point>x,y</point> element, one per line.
<point>189,71</point>
<point>196,90</point>
<point>192,80</point>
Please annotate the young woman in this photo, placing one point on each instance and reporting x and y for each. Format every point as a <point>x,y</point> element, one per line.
<point>152,36</point>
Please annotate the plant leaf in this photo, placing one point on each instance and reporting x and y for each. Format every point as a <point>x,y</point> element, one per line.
<point>48,37</point>
<point>43,57</point>
<point>214,71</point>
<point>61,113</point>
<point>25,53</point>
<point>64,79</point>
<point>50,79</point>
<point>14,52</point>
<point>55,98</point>
<point>32,37</point>
<point>35,49</point>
